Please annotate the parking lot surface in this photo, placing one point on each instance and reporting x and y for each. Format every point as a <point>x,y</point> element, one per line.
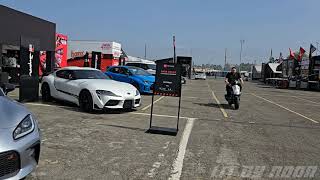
<point>273,127</point>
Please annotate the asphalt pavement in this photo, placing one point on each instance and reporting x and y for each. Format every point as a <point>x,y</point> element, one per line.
<point>275,134</point>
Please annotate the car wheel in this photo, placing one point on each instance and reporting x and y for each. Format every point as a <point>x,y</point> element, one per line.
<point>45,92</point>
<point>85,101</point>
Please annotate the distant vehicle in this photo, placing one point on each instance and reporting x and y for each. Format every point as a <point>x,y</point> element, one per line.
<point>200,75</point>
<point>19,138</point>
<point>245,75</point>
<point>90,89</point>
<point>138,77</point>
<point>146,65</point>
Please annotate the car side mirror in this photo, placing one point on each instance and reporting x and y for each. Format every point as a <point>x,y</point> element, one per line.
<point>6,87</point>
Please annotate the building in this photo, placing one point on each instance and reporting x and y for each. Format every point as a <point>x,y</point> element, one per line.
<point>256,72</point>
<point>22,37</point>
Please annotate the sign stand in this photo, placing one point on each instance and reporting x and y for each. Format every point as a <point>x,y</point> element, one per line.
<point>168,83</point>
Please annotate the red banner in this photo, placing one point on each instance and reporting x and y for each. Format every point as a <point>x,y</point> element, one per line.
<point>61,51</point>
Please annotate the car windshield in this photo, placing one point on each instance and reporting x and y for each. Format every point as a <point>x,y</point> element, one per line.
<point>151,66</point>
<point>89,74</point>
<point>139,71</point>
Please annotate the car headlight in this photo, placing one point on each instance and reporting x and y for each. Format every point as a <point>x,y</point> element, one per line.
<point>25,127</point>
<point>137,93</point>
<point>106,93</point>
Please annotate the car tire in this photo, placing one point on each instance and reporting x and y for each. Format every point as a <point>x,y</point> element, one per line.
<point>45,92</point>
<point>85,101</point>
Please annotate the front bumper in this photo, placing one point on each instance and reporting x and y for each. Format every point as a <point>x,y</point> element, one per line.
<point>146,88</point>
<point>112,102</point>
<point>23,152</point>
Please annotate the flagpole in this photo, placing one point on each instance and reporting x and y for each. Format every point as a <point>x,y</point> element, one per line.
<point>174,49</point>
<point>310,61</point>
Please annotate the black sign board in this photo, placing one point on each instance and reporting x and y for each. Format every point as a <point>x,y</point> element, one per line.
<point>168,83</point>
<point>168,79</point>
<point>96,60</point>
<point>29,69</point>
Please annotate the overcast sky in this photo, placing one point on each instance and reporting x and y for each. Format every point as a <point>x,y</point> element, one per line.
<point>203,28</point>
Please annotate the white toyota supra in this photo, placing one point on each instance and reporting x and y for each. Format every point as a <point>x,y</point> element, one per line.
<point>90,89</point>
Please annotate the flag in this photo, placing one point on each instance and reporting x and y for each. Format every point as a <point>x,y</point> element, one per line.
<point>291,54</point>
<point>312,49</point>
<point>280,58</point>
<point>301,53</point>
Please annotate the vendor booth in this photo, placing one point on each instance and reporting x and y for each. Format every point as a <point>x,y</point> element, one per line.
<point>22,38</point>
<point>96,54</point>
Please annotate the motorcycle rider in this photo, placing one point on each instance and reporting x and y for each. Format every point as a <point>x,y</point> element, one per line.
<point>231,77</point>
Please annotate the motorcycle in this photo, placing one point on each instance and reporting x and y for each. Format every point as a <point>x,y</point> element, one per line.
<point>234,98</point>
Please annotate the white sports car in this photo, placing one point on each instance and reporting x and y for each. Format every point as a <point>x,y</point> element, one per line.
<point>90,89</point>
<point>200,75</point>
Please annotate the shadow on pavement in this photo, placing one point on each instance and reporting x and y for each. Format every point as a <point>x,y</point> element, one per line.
<point>124,127</point>
<point>224,106</point>
<point>73,107</point>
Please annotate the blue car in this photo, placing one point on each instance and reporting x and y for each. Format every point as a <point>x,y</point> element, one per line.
<point>138,77</point>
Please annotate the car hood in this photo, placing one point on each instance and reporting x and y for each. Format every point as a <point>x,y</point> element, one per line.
<point>146,78</point>
<point>116,87</point>
<point>12,112</point>
<point>152,71</point>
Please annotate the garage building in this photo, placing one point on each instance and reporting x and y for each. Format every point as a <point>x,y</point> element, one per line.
<point>22,37</point>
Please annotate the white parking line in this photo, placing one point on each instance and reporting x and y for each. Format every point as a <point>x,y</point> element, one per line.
<point>161,115</point>
<point>178,163</point>
<point>45,105</point>
<point>285,108</point>
<point>280,95</point>
<point>145,108</point>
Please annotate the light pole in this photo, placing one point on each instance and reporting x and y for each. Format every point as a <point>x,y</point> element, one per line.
<point>241,44</point>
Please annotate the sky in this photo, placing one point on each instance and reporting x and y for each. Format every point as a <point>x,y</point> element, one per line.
<point>203,28</point>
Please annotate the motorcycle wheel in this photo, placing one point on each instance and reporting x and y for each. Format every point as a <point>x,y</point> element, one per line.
<point>236,102</point>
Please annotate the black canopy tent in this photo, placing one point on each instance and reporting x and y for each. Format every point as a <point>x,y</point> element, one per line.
<point>29,35</point>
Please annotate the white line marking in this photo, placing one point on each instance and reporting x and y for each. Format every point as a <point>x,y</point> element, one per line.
<point>178,163</point>
<point>137,113</point>
<point>191,97</point>
<point>45,105</point>
<point>290,96</point>
<point>145,108</point>
<point>285,108</point>
<point>160,115</point>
